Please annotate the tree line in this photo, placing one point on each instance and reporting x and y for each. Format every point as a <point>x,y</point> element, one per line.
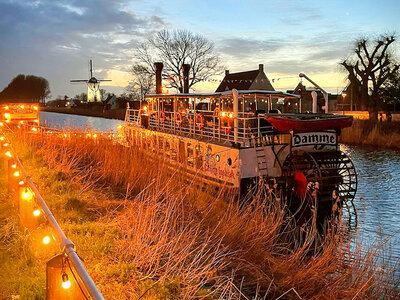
<point>26,88</point>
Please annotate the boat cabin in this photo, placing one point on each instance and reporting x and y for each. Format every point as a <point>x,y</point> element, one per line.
<point>233,117</point>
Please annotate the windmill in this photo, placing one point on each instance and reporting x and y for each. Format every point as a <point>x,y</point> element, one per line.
<point>93,86</point>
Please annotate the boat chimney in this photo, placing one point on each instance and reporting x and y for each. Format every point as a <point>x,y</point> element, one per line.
<point>158,66</point>
<point>261,67</point>
<point>185,71</point>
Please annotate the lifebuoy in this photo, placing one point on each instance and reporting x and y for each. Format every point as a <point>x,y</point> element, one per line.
<point>179,119</point>
<point>200,121</point>
<point>226,124</point>
<point>161,116</point>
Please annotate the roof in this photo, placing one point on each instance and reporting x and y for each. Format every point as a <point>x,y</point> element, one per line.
<point>245,80</point>
<point>274,94</point>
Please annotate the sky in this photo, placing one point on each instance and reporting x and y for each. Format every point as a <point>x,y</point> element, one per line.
<point>55,39</point>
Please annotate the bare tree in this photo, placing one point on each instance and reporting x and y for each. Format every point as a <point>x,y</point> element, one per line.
<point>178,47</point>
<point>143,81</point>
<point>368,69</point>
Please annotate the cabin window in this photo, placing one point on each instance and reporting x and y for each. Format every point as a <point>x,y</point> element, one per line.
<point>182,152</point>
<point>174,153</point>
<point>190,155</point>
<point>167,148</point>
<point>199,156</point>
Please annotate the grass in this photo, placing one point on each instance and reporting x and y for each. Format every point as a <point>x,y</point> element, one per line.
<point>145,233</point>
<point>369,133</point>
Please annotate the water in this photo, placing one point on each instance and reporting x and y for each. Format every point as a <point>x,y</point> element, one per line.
<point>59,121</point>
<point>378,196</point>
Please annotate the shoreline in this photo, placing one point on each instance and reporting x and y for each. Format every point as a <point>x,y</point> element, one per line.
<point>367,134</point>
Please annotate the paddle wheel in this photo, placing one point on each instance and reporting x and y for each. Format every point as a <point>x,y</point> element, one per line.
<point>332,172</point>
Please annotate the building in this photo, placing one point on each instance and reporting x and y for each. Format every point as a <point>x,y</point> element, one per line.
<point>307,101</point>
<point>249,80</point>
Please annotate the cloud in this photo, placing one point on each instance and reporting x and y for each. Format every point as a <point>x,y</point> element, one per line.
<point>56,38</point>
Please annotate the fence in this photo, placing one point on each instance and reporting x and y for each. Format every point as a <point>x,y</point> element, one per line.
<point>66,276</point>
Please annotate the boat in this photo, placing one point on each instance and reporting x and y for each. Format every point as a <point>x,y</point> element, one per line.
<point>226,139</point>
<point>309,122</point>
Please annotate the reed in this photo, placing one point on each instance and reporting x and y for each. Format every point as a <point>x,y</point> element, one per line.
<point>369,133</point>
<point>148,233</point>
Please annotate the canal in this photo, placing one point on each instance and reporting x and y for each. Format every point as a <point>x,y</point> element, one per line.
<point>378,196</point>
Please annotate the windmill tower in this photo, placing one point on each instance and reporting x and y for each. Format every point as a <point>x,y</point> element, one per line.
<point>93,85</point>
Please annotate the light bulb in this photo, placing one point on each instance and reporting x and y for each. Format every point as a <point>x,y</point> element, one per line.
<point>46,240</point>
<point>16,173</point>
<point>36,212</point>
<point>27,194</point>
<point>66,284</point>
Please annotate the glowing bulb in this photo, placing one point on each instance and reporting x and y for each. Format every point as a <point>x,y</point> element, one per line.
<point>8,153</point>
<point>6,115</point>
<point>119,126</point>
<point>16,173</point>
<point>46,240</point>
<point>230,115</point>
<point>2,138</point>
<point>37,121</point>
<point>35,108</point>
<point>22,122</point>
<point>36,212</point>
<point>1,124</point>
<point>22,106</point>
<point>13,166</point>
<point>65,135</point>
<point>88,134</point>
<point>21,182</point>
<point>34,129</point>
<point>6,107</point>
<point>94,136</point>
<point>27,195</point>
<point>223,114</point>
<point>66,284</point>
<point>7,121</point>
<point>5,144</point>
<point>145,108</point>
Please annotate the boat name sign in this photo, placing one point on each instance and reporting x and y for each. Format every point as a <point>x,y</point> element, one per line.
<point>314,138</point>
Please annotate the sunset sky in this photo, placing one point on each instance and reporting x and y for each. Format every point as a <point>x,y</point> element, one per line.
<point>55,39</point>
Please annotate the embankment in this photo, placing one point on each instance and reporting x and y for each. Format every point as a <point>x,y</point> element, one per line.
<point>384,135</point>
<point>118,114</point>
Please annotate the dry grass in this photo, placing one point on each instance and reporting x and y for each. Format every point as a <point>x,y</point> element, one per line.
<point>368,133</point>
<point>150,235</point>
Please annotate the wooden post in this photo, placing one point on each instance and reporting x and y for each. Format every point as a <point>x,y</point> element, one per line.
<point>57,271</point>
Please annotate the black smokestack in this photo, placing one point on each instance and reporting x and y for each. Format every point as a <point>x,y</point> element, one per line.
<point>185,70</point>
<point>158,66</point>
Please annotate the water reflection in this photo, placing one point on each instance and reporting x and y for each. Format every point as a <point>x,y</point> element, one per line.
<point>57,120</point>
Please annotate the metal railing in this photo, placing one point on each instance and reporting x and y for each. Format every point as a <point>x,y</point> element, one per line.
<point>251,130</point>
<point>67,246</point>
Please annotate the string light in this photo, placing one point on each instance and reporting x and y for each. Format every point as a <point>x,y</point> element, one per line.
<point>36,212</point>
<point>16,174</point>
<point>27,194</point>
<point>46,240</point>
<point>66,283</point>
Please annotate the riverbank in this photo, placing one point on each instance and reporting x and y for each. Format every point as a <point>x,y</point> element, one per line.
<point>385,135</point>
<point>146,234</point>
<point>118,114</point>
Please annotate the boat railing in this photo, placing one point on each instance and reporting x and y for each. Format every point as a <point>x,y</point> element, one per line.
<point>251,130</point>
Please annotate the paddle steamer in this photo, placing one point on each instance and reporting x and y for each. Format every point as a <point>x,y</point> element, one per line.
<point>232,138</point>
